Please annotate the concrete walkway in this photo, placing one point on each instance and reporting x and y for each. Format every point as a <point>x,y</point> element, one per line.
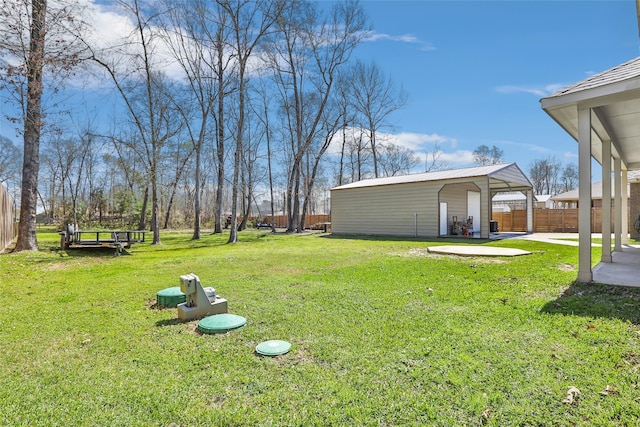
<point>568,239</point>
<point>623,271</point>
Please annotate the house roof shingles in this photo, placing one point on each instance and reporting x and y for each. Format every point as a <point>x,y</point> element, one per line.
<point>619,73</point>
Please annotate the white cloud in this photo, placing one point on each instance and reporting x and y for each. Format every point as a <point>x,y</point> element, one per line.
<point>460,157</point>
<point>418,141</point>
<point>525,145</point>
<point>540,91</point>
<point>372,36</point>
<point>110,35</point>
<point>422,144</point>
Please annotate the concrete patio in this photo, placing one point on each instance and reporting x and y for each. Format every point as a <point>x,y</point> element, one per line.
<point>624,270</point>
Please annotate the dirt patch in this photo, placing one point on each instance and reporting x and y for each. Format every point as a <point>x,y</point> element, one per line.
<point>566,267</point>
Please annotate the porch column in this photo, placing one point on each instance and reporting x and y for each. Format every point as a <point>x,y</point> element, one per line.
<point>617,174</point>
<point>530,211</point>
<point>606,201</point>
<point>624,208</point>
<point>584,195</point>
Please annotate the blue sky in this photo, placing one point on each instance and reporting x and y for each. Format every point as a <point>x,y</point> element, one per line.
<point>476,70</point>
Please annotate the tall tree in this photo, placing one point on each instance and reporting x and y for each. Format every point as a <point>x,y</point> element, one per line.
<point>250,22</point>
<point>36,40</point>
<point>484,156</point>
<point>145,92</point>
<point>196,35</point>
<point>375,97</point>
<point>544,174</point>
<point>307,58</point>
<point>32,123</point>
<point>569,177</point>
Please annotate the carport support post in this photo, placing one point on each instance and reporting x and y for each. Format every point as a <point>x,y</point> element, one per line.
<point>624,208</point>
<point>584,195</point>
<point>606,201</point>
<point>617,174</point>
<point>529,211</point>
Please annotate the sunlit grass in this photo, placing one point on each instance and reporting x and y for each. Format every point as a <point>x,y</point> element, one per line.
<point>382,333</point>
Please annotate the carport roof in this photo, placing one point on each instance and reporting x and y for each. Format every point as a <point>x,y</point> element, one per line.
<point>614,97</point>
<point>502,177</point>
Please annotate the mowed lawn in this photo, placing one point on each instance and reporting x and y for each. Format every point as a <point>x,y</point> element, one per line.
<point>382,332</point>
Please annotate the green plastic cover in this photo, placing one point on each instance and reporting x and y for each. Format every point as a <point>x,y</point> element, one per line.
<point>221,323</point>
<point>170,297</point>
<point>273,348</point>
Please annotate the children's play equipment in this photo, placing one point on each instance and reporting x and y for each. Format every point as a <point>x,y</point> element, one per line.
<point>200,302</point>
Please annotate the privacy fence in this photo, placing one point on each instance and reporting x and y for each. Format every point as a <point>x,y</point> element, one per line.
<point>549,220</point>
<point>544,221</point>
<point>314,222</point>
<point>7,219</point>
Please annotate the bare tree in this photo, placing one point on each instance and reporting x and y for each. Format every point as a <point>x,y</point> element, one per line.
<point>343,97</point>
<point>307,59</point>
<point>196,36</point>
<point>146,96</point>
<point>34,44</point>
<point>433,160</point>
<point>569,177</point>
<point>250,22</point>
<point>261,111</point>
<point>375,97</point>
<point>179,159</point>
<point>544,174</point>
<point>332,120</point>
<point>484,156</point>
<point>10,161</point>
<point>396,160</point>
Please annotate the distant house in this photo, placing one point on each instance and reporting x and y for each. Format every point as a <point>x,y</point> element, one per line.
<point>569,199</point>
<point>516,200</point>
<point>427,204</point>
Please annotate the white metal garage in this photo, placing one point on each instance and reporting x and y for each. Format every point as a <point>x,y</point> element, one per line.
<point>425,204</point>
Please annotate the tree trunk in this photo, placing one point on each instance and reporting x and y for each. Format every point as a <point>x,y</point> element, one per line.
<point>220,134</point>
<point>155,210</point>
<point>196,204</point>
<point>142,225</point>
<point>268,136</point>
<point>27,240</point>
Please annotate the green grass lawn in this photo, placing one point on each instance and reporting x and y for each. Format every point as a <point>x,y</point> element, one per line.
<point>382,334</point>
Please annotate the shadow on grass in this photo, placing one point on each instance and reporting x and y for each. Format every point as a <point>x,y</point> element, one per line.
<point>169,322</point>
<point>89,252</point>
<point>596,300</point>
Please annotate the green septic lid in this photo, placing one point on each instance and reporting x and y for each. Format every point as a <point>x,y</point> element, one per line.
<point>221,323</point>
<point>273,348</point>
<point>170,297</point>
